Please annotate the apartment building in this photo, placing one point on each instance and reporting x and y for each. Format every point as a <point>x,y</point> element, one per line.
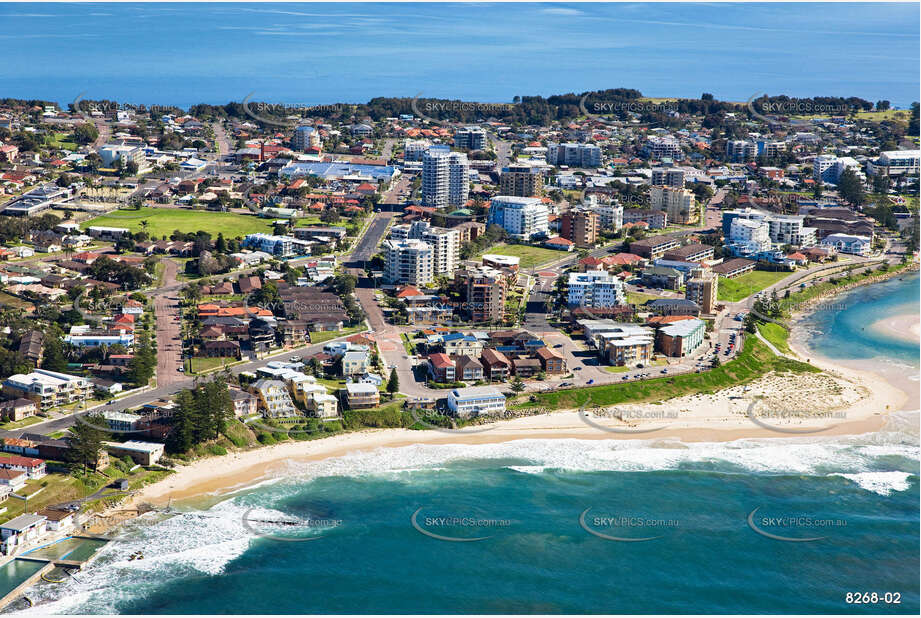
<point>668,177</point>
<point>573,155</point>
<point>610,216</point>
<point>741,151</point>
<point>749,236</point>
<point>790,230</point>
<point>581,227</point>
<point>414,149</point>
<point>828,168</point>
<point>475,401</point>
<point>486,291</point>
<point>523,218</point>
<point>770,149</point>
<point>654,247</point>
<point>680,339</point>
<point>678,204</point>
<point>269,243</point>
<point>445,243</point>
<point>521,180</point>
<point>113,154</point>
<point>470,138</point>
<point>305,137</point>
<point>848,243</point>
<point>274,399</point>
<point>896,163</point>
<point>361,395</point>
<point>408,261</point>
<point>445,178</point>
<point>595,289</point>
<point>48,389</point>
<point>656,220</point>
<point>661,147</point>
<point>701,288</point>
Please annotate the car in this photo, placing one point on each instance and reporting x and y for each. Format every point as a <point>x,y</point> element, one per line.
<point>664,371</point>
<point>295,359</point>
<point>625,378</point>
<point>559,345</point>
<point>577,369</point>
<point>181,369</point>
<point>591,381</point>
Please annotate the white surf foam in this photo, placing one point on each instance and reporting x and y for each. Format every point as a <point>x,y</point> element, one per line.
<point>882,483</point>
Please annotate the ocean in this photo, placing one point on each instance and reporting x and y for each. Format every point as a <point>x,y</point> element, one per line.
<point>786,525</point>
<point>313,54</point>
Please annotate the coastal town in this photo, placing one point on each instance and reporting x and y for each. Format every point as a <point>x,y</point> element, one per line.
<point>177,284</point>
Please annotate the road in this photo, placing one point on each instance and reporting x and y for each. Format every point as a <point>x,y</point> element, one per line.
<point>367,245</point>
<point>169,343</point>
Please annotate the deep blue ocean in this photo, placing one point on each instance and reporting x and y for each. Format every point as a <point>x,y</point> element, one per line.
<point>308,54</point>
<point>857,497</point>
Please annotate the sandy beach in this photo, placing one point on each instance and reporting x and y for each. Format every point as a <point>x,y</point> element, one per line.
<point>906,327</point>
<point>842,402</point>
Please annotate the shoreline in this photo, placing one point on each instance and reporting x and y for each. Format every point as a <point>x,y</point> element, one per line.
<point>878,397</point>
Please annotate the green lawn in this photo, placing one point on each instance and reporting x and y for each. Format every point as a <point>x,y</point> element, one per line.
<point>754,361</point>
<point>776,334</point>
<point>323,336</point>
<point>198,364</point>
<point>164,221</point>
<point>530,256</point>
<point>733,290</point>
<point>638,298</point>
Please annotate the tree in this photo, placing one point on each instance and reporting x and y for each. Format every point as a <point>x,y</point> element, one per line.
<point>517,384</point>
<point>393,384</point>
<point>86,439</point>
<point>850,187</point>
<point>85,133</point>
<point>54,359</point>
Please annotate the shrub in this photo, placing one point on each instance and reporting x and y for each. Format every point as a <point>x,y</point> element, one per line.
<point>217,449</point>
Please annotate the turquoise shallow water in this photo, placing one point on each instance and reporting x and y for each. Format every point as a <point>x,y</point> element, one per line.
<point>859,494</point>
<point>844,330</point>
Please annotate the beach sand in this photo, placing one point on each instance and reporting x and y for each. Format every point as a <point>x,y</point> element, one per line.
<point>860,403</point>
<point>906,327</point>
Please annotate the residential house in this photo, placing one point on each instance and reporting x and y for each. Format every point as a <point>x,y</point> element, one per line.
<point>496,366</point>
<point>551,362</point>
<point>360,395</point>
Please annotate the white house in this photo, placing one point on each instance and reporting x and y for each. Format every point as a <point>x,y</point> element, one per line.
<point>475,401</point>
<point>848,243</point>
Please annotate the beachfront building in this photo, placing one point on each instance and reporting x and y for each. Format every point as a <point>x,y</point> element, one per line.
<point>848,243</point>
<point>143,453</point>
<point>475,401</point>
<point>681,338</point>
<point>274,399</point>
<point>360,395</point>
<point>21,531</point>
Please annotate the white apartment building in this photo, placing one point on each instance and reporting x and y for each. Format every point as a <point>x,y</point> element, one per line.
<point>476,400</point>
<point>678,203</point>
<point>523,218</point>
<point>470,138</point>
<point>610,216</point>
<point>445,243</point>
<point>660,147</point>
<point>848,243</point>
<point>445,178</point>
<point>305,137</point>
<point>413,149</point>
<point>595,289</point>
<point>789,230</point>
<point>574,155</point>
<point>828,168</point>
<point>112,153</point>
<point>749,236</point>
<point>408,261</point>
<point>47,388</point>
<point>740,150</point>
<point>770,149</point>
<point>896,163</point>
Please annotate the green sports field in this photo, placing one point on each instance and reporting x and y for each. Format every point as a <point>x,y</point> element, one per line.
<point>164,221</point>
